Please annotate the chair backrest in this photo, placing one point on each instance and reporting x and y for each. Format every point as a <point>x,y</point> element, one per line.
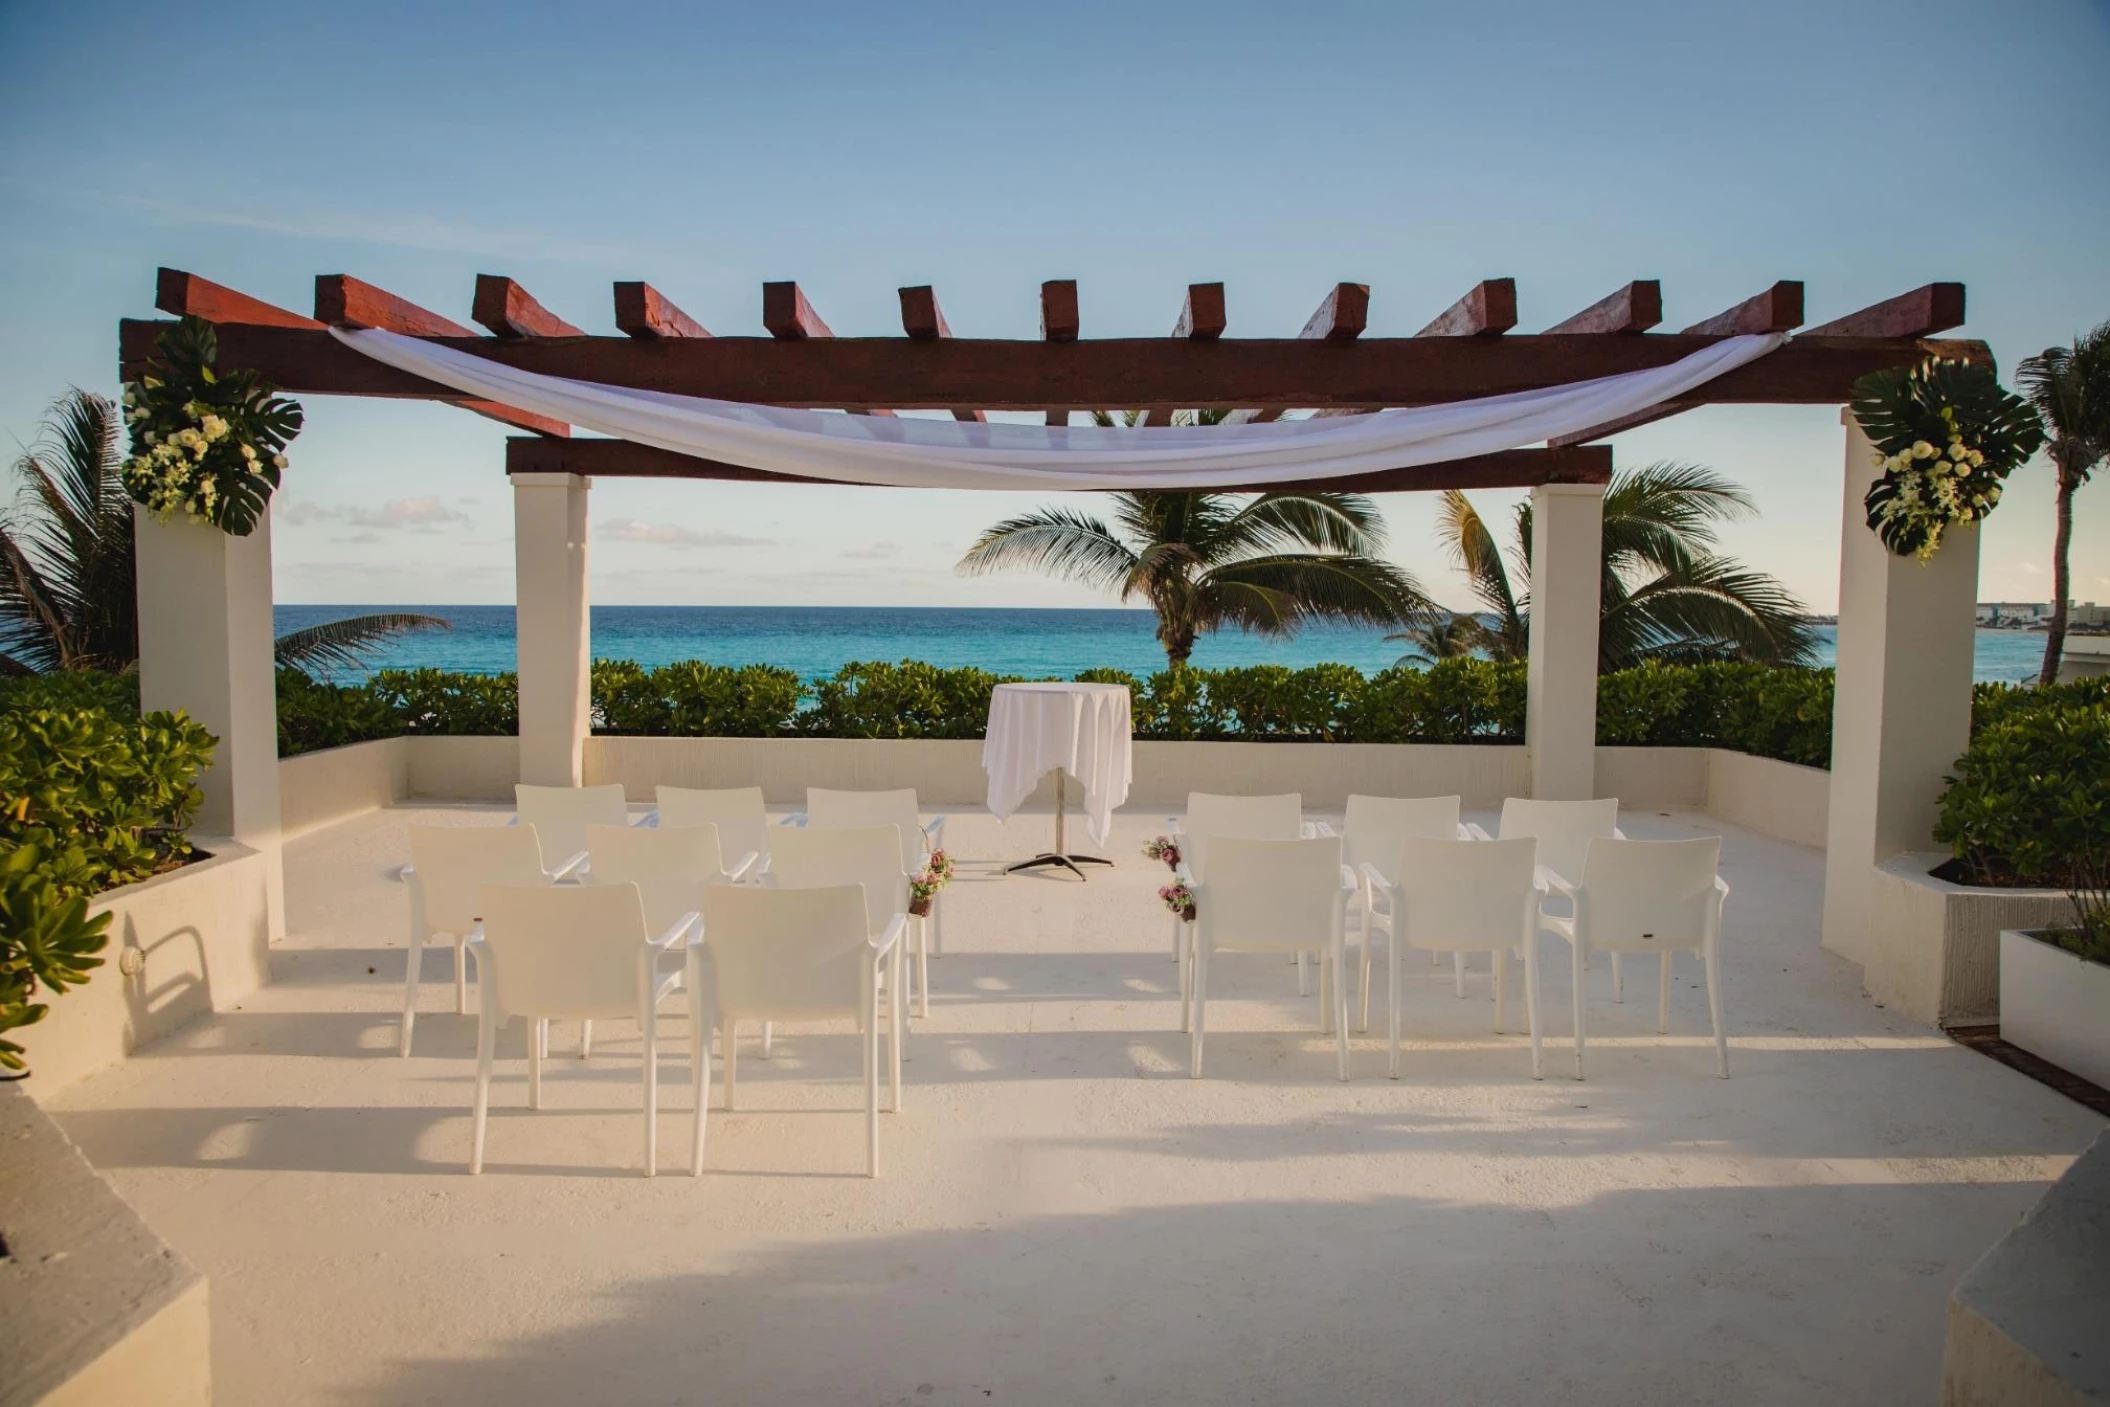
<point>564,950</point>
<point>1376,825</point>
<point>1563,829</point>
<point>1210,814</point>
<point>787,952</point>
<point>1271,894</point>
<point>560,815</point>
<point>869,856</point>
<point>1466,895</point>
<point>450,865</point>
<point>738,812</point>
<point>854,810</point>
<point>1647,895</point>
<point>669,867</point>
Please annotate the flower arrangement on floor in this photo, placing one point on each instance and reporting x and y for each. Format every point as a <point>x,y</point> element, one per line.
<point>1946,434</point>
<point>1179,899</point>
<point>1164,848</point>
<point>923,889</point>
<point>204,443</point>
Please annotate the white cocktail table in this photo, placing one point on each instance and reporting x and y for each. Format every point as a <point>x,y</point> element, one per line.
<point>1074,730</point>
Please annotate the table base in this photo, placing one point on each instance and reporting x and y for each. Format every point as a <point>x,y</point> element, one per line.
<point>1068,862</point>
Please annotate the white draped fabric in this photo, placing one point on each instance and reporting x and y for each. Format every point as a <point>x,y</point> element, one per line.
<point>913,452</point>
<point>1082,729</point>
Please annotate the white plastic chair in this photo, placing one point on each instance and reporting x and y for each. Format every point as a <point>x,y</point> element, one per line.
<point>792,955</point>
<point>853,810</point>
<point>1371,834</point>
<point>1647,896</point>
<point>870,856</point>
<point>1271,896</point>
<point>1278,817</point>
<point>561,815</point>
<point>571,953</point>
<point>1464,896</point>
<point>738,812</point>
<point>449,867</point>
<point>1564,830</point>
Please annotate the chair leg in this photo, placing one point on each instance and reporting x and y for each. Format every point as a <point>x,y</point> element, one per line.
<point>732,1061</point>
<point>1577,997</point>
<point>937,926</point>
<point>461,977</point>
<point>769,1040</point>
<point>1338,1009</point>
<point>1663,993</point>
<point>535,1053</point>
<point>410,992</point>
<point>1200,1001</point>
<point>1618,980</point>
<point>1185,934</point>
<point>1714,1009</point>
<point>486,1037</point>
<point>897,1027</point>
<point>1531,1003</point>
<point>586,1040</point>
<point>649,1019</point>
<point>871,1035</point>
<point>1327,978</point>
<point>1501,990</point>
<point>541,1036</point>
<point>923,963</point>
<point>1458,971</point>
<point>699,1073</point>
<point>1392,997</point>
<point>1304,979</point>
<point>1363,987</point>
<point>1179,949</point>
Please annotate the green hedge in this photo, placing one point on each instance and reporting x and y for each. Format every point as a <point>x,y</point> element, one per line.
<point>2030,801</point>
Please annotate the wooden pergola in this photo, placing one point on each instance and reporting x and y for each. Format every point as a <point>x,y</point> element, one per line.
<point>1904,646</point>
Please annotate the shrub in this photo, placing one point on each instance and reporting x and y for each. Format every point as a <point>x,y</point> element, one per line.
<point>692,699</point>
<point>115,694</point>
<point>315,714</point>
<point>1271,701</point>
<point>1772,712</point>
<point>2030,801</point>
<point>906,700</point>
<point>45,936</point>
<point>437,701</point>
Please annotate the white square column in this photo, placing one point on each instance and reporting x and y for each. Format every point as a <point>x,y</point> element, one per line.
<point>1902,712</point>
<point>1560,717</point>
<point>205,646</point>
<point>552,626</point>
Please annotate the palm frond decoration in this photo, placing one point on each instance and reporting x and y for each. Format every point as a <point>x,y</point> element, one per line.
<point>347,643</point>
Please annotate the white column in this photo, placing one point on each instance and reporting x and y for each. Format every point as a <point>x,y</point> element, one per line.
<point>205,633</point>
<point>552,627</point>
<point>1560,720</point>
<point>1902,714</point>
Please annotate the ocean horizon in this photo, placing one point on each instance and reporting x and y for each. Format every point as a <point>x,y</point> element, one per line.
<point>1037,642</point>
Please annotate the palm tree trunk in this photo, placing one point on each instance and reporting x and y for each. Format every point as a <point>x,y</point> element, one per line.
<point>2062,543</point>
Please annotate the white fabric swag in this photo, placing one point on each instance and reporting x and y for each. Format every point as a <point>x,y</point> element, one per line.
<point>913,452</point>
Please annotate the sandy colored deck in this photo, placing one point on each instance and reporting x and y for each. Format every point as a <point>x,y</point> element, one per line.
<point>1062,1216</point>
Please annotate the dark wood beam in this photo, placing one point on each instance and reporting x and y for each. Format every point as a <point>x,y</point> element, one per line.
<point>1778,309</point>
<point>923,320</point>
<point>1340,319</point>
<point>1634,308</point>
<point>1489,309</point>
<point>187,295</point>
<point>1517,468</point>
<point>1059,323</point>
<point>1162,372</point>
<point>790,318</point>
<point>509,310</point>
<point>1201,319</point>
<point>642,311</point>
<point>1920,313</point>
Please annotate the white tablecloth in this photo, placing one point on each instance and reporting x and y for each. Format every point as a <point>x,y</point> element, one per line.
<point>1081,728</point>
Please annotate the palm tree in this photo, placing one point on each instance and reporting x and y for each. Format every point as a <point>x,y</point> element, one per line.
<point>1439,635</point>
<point>2070,387</point>
<point>1667,594</point>
<point>68,598</point>
<point>1267,564</point>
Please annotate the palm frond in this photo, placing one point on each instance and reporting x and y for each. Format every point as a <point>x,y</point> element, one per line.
<point>1439,635</point>
<point>1317,520</point>
<point>1276,594</point>
<point>1716,607</point>
<point>67,598</point>
<point>347,643</point>
<point>1060,541</point>
<point>1473,550</point>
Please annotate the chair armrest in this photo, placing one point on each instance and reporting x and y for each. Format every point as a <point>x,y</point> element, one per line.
<point>648,821</point>
<point>1184,875</point>
<point>1174,826</point>
<point>1547,879</point>
<point>741,866</point>
<point>891,939</point>
<point>796,818</point>
<point>1349,883</point>
<point>680,929</point>
<point>1373,877</point>
<point>934,833</point>
<point>1320,830</point>
<point>1618,834</point>
<point>403,875</point>
<point>1721,886</point>
<point>1475,831</point>
<point>570,869</point>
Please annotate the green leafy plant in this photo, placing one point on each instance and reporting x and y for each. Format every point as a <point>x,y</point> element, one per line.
<point>440,701</point>
<point>1946,435</point>
<point>46,938</point>
<point>2029,803</point>
<point>906,700</point>
<point>693,699</point>
<point>207,443</point>
<point>66,595</point>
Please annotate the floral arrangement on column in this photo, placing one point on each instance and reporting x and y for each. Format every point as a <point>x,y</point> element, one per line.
<point>1180,899</point>
<point>1946,435</point>
<point>205,443</point>
<point>924,888</point>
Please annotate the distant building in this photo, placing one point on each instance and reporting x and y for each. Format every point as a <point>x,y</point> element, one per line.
<point>2012,612</point>
<point>2087,615</point>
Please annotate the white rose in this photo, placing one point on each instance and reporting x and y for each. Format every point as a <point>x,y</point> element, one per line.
<point>278,461</point>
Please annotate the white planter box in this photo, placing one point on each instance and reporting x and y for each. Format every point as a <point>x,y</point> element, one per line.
<point>2055,1005</point>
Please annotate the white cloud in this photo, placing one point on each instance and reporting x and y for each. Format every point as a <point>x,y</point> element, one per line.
<point>877,551</point>
<point>673,535</point>
<point>2029,569</point>
<point>422,514</point>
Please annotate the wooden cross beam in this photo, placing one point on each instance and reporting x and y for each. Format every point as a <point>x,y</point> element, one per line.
<point>1058,323</point>
<point>1340,318</point>
<point>924,321</point>
<point>643,312</point>
<point>508,310</point>
<point>1489,309</point>
<point>1634,308</point>
<point>1201,319</point>
<point>1937,307</point>
<point>790,318</point>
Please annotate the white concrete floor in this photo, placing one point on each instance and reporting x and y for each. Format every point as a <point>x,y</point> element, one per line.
<point>1062,1215</point>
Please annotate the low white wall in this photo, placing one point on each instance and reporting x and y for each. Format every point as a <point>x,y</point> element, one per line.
<point>1782,799</point>
<point>99,1309</point>
<point>1652,776</point>
<point>317,789</point>
<point>2026,1322</point>
<point>203,938</point>
<point>464,769</point>
<point>1932,949</point>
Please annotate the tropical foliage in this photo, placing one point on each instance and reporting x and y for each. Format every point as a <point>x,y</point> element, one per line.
<point>2030,801</point>
<point>207,443</point>
<point>2070,389</point>
<point>1667,594</point>
<point>1205,561</point>
<point>1946,435</point>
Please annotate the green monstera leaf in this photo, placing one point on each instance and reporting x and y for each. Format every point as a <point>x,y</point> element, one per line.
<point>1919,412</point>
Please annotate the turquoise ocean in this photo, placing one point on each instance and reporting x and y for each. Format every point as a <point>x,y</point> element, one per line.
<point>818,640</point>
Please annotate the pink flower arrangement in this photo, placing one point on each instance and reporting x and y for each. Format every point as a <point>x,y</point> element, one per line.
<point>1164,848</point>
<point>1180,899</point>
<point>923,889</point>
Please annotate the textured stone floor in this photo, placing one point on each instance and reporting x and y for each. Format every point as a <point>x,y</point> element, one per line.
<point>1063,1216</point>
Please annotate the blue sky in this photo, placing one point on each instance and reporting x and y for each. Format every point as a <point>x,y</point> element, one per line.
<point>1866,148</point>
